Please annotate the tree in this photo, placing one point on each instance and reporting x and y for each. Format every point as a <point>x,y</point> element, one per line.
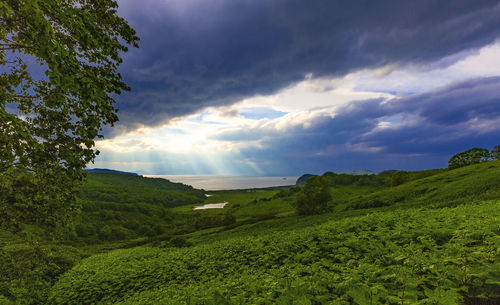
<point>59,74</point>
<point>472,156</point>
<point>399,177</point>
<point>314,196</point>
<point>495,153</point>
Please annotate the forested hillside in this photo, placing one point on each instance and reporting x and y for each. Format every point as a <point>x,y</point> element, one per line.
<point>395,237</point>
<point>432,239</point>
<point>121,207</point>
<point>398,257</point>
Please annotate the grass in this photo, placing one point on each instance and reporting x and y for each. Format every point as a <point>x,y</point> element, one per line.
<point>339,261</point>
<point>475,182</point>
<point>144,247</point>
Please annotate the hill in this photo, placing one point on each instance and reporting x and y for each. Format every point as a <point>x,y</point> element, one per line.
<point>112,187</point>
<point>376,259</point>
<point>120,207</point>
<point>116,210</point>
<point>432,239</point>
<point>302,179</point>
<point>109,171</point>
<point>358,173</point>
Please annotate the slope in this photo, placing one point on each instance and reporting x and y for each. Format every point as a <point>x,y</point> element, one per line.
<point>439,243</point>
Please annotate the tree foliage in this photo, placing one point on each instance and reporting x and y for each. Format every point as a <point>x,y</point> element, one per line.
<point>399,177</point>
<point>59,74</point>
<point>314,196</point>
<point>495,153</point>
<point>472,156</point>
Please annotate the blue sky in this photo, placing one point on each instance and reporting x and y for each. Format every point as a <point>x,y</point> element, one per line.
<point>284,87</point>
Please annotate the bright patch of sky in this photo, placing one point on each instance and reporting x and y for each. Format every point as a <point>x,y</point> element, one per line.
<point>191,145</point>
<point>417,79</point>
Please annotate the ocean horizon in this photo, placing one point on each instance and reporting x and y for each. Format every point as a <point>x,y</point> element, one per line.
<point>217,183</point>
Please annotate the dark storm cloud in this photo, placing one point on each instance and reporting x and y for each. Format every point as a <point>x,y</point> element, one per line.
<point>197,53</point>
<point>427,129</point>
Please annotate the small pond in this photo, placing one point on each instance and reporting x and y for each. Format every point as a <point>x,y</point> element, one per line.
<point>211,206</point>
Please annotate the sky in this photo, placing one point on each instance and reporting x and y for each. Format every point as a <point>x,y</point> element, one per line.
<point>287,87</point>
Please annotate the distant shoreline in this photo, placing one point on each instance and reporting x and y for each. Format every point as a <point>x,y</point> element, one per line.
<point>219,183</point>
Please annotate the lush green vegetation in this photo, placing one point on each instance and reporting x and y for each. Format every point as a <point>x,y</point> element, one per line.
<point>58,82</point>
<point>474,156</point>
<point>433,256</point>
<point>115,210</point>
<point>129,206</point>
<point>124,208</point>
<point>432,238</point>
<point>463,185</point>
<point>314,196</point>
<point>396,238</point>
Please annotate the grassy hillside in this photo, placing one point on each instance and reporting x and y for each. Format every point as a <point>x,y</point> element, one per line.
<point>388,257</point>
<point>116,210</point>
<point>120,188</point>
<point>356,195</point>
<point>462,185</point>
<point>432,239</point>
<point>118,207</point>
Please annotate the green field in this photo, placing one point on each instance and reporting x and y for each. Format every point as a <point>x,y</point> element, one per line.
<point>430,238</point>
<point>433,256</point>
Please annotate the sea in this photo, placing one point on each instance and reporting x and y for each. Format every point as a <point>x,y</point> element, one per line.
<point>216,183</point>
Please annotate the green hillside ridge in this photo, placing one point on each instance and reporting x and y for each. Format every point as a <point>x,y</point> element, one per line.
<point>449,188</point>
<point>137,226</point>
<point>112,171</point>
<point>116,209</point>
<point>122,207</point>
<point>365,258</point>
<point>123,189</point>
<point>432,239</point>
<point>120,180</point>
<point>358,172</point>
<point>441,188</point>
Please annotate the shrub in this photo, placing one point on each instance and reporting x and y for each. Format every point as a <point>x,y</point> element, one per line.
<point>28,270</point>
<point>399,178</point>
<point>179,242</point>
<point>314,196</point>
<point>228,219</point>
<point>472,156</point>
<point>85,230</point>
<point>495,153</point>
<point>112,233</point>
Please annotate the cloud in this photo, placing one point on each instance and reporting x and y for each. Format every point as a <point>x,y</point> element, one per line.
<point>414,132</point>
<point>196,54</point>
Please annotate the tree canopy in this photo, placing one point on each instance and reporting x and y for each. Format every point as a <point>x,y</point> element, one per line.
<point>495,153</point>
<point>472,156</point>
<point>314,196</point>
<point>58,76</point>
<point>399,177</point>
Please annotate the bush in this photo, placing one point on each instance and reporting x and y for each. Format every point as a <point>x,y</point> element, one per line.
<point>335,262</point>
<point>28,270</point>
<point>85,230</point>
<point>179,242</point>
<point>314,196</point>
<point>399,178</point>
<point>472,156</point>
<point>110,233</point>
<point>495,153</point>
<point>228,219</point>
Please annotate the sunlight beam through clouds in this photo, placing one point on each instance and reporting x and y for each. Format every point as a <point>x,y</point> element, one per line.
<point>232,140</point>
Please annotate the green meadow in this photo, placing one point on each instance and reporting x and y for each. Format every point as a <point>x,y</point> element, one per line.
<point>429,237</point>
